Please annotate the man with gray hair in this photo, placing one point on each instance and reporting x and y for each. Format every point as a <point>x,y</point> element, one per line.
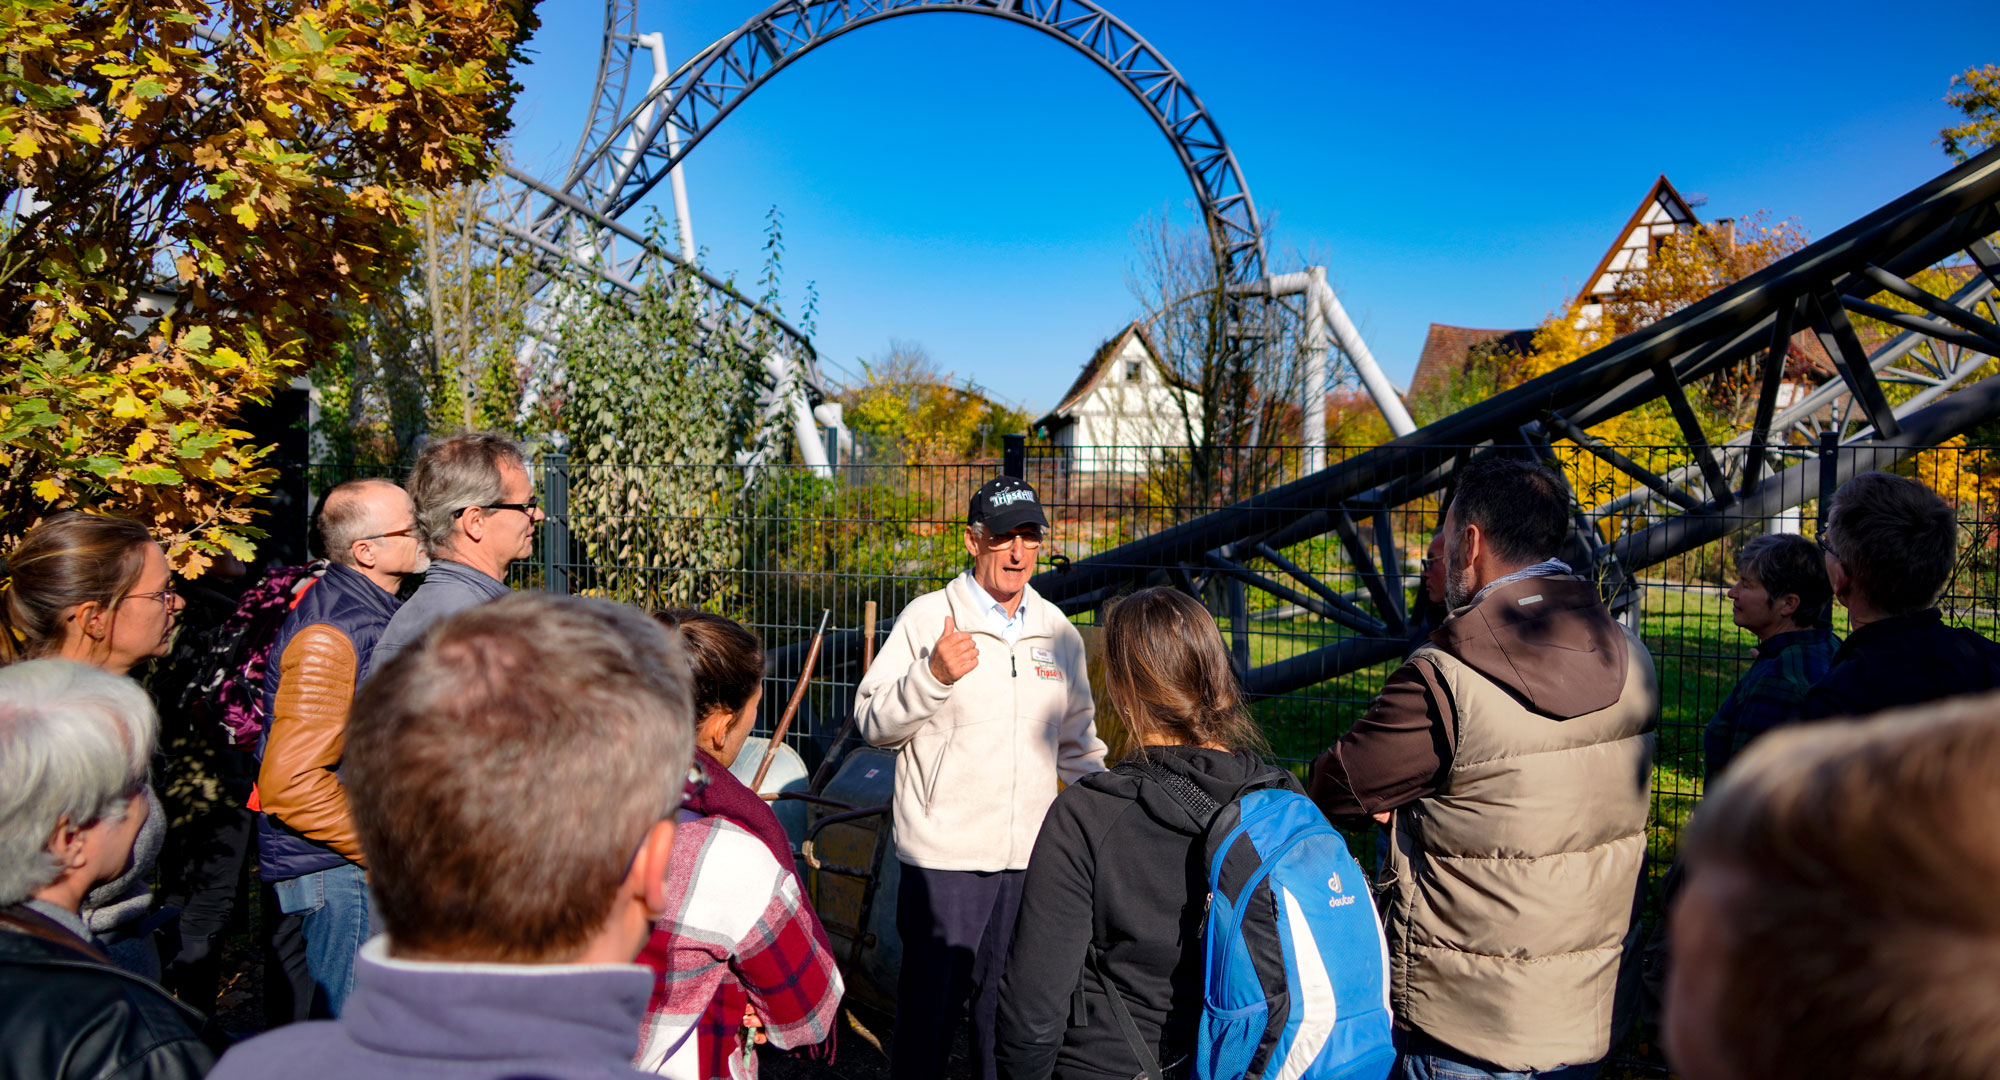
<point>515,888</point>
<point>476,512</point>
<point>74,745</point>
<point>306,846</point>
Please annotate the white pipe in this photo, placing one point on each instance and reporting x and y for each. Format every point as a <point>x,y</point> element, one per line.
<point>1313,283</point>
<point>683,221</point>
<point>789,391</point>
<point>1312,436</point>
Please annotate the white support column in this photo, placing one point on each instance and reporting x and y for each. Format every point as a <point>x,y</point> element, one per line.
<point>789,393</point>
<point>683,221</point>
<point>1312,435</point>
<point>1323,309</point>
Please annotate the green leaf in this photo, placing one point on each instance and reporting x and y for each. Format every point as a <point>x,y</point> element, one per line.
<point>197,339</point>
<point>154,474</point>
<point>148,88</point>
<point>310,34</point>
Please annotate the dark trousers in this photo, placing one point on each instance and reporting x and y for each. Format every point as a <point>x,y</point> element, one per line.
<point>956,926</point>
<point>205,872</point>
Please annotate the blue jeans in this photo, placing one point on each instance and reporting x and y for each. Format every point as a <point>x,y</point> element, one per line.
<point>1423,1058</point>
<point>338,919</point>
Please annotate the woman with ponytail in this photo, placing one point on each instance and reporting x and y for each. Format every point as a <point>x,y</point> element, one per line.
<point>96,589</point>
<point>1116,887</point>
<point>739,959</point>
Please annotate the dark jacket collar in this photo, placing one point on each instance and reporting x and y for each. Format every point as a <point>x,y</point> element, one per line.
<point>1881,630</point>
<point>1778,643</point>
<point>497,1012</point>
<point>354,583</point>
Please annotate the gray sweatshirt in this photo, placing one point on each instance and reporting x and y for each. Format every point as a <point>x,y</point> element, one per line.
<point>448,587</point>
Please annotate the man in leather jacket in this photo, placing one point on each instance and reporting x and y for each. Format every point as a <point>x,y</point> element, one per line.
<point>307,850</point>
<point>74,745</point>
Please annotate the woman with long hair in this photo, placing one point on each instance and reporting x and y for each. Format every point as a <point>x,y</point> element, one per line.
<point>1115,895</point>
<point>90,588</point>
<point>96,589</point>
<point>739,958</point>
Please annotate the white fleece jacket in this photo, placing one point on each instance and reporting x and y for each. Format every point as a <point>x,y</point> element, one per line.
<point>978,760</point>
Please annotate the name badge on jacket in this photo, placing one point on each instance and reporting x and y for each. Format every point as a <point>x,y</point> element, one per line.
<point>1045,664</point>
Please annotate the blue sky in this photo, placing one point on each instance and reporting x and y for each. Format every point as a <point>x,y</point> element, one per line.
<point>975,186</point>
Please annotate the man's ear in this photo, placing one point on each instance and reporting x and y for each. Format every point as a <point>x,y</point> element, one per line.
<point>648,878</point>
<point>971,543</point>
<point>1840,579</point>
<point>365,555</point>
<point>473,523</point>
<point>1472,541</point>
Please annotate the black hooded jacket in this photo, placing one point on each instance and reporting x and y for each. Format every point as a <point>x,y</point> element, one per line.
<point>1118,865</point>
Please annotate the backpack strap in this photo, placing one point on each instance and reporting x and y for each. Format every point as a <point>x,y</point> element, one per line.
<point>1149,1064</point>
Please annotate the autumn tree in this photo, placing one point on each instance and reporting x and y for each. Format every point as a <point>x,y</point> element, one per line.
<point>1239,355</point>
<point>199,196</point>
<point>1976,94</point>
<point>908,410</point>
<point>448,349</point>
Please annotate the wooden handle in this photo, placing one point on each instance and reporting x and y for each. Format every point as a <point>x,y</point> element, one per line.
<point>792,706</point>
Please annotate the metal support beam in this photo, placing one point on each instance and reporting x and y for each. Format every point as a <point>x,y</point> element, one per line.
<point>1772,377</point>
<point>1704,455</point>
<point>1352,616</point>
<point>1364,566</point>
<point>1314,604</point>
<point>1928,327</point>
<point>1938,306</point>
<point>1836,334</point>
<point>1622,463</point>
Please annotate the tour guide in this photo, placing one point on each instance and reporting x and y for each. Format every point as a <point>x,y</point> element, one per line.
<point>982,691</point>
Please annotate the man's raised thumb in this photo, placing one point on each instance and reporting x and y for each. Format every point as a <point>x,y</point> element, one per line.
<point>950,626</point>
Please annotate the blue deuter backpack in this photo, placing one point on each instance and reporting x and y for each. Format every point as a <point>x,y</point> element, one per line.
<point>1297,970</point>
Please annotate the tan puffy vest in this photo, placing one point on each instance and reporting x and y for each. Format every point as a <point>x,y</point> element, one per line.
<point>1510,892</point>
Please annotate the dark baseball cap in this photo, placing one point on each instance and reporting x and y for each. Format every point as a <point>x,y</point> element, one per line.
<point>1005,503</point>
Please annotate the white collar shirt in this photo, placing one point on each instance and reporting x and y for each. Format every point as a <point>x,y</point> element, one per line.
<point>1009,629</point>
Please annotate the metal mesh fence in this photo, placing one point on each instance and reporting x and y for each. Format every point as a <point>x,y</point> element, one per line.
<point>774,546</point>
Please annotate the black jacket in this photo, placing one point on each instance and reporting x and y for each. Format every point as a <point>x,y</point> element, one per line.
<point>1903,660</point>
<point>68,1014</point>
<point>1118,865</point>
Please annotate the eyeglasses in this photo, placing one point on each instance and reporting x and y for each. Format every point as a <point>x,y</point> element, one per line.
<point>534,503</point>
<point>407,530</point>
<point>166,597</point>
<point>1823,546</point>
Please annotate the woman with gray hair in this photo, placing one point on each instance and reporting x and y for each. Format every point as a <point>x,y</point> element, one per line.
<point>75,742</point>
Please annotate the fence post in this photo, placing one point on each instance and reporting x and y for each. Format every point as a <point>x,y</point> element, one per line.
<point>1014,455</point>
<point>1829,474</point>
<point>555,529</point>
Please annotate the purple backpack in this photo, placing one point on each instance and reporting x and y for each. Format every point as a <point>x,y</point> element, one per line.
<point>230,689</point>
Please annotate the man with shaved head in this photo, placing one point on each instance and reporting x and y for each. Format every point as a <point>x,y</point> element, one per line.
<point>307,850</point>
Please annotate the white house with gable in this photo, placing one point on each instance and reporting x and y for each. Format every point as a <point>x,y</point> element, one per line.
<point>1122,408</point>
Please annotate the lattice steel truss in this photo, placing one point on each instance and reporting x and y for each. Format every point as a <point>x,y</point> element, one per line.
<point>1771,466</point>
